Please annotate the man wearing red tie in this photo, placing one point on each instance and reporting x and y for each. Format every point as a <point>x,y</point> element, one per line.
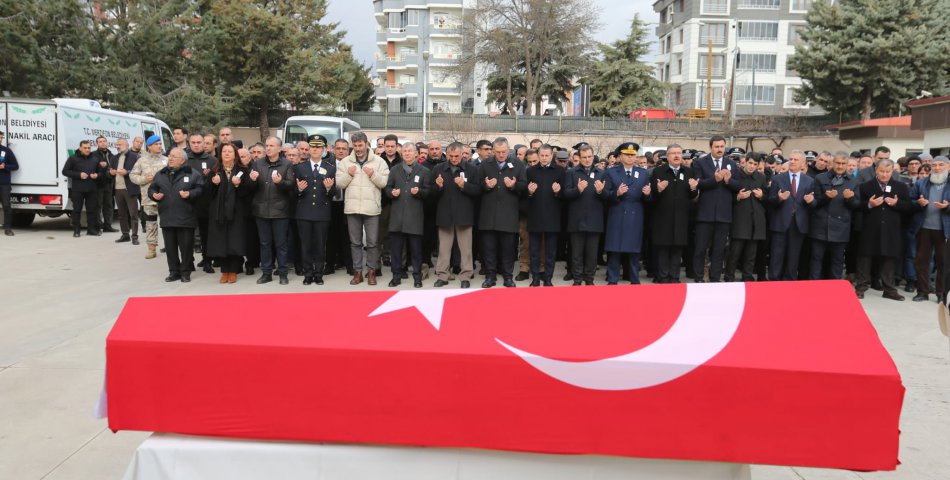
<point>792,195</point>
<point>887,201</point>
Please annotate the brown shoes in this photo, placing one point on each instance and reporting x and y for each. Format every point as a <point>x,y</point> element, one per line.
<point>228,278</point>
<point>358,278</point>
<point>371,277</point>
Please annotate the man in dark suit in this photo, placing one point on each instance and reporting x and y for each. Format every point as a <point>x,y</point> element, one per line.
<point>105,186</point>
<point>407,187</point>
<point>792,195</point>
<point>503,180</point>
<point>830,228</point>
<point>748,228</point>
<point>544,214</point>
<point>585,190</point>
<point>628,187</point>
<point>714,210</point>
<point>885,201</point>
<point>674,189</point>
<point>455,189</point>
<point>316,187</point>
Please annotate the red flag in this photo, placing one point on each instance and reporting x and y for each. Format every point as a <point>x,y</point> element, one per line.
<point>774,373</point>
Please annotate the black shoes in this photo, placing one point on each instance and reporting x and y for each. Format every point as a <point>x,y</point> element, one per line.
<point>859,294</point>
<point>135,239</point>
<point>547,283</point>
<point>207,268</point>
<point>893,295</point>
<point>577,283</point>
<point>249,270</point>
<point>185,277</point>
<point>124,238</point>
<point>395,282</point>
<point>318,280</point>
<point>440,283</point>
<point>76,234</point>
<point>307,280</point>
<point>534,283</point>
<point>94,233</point>
<point>509,283</point>
<point>488,283</point>
<point>284,280</point>
<point>265,278</point>
<point>568,277</point>
<point>109,229</point>
<point>417,284</point>
<point>466,284</point>
<point>8,232</point>
<point>921,297</point>
<point>522,276</point>
<point>910,288</point>
<point>173,277</point>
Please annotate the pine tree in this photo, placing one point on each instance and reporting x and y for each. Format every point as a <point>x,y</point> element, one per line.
<point>620,82</point>
<point>864,56</point>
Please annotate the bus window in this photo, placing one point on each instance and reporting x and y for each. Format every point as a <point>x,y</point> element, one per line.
<point>295,133</point>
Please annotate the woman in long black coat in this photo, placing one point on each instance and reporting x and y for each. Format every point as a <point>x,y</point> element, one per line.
<point>227,225</point>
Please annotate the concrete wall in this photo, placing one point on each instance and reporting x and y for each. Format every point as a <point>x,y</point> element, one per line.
<point>899,147</point>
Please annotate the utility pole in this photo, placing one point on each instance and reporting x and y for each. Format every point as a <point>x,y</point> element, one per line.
<point>754,64</point>
<point>709,80</point>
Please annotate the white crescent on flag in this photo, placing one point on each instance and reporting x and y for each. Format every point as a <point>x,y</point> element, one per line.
<point>707,323</point>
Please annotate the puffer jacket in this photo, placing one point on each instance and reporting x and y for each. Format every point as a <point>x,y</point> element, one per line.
<point>363,194</point>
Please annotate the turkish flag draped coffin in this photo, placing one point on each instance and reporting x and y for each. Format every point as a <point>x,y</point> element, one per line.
<point>770,373</point>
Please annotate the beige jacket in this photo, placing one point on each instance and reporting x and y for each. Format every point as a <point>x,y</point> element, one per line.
<point>147,166</point>
<point>362,193</point>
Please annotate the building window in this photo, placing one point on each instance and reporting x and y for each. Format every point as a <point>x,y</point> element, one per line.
<point>397,21</point>
<point>718,96</point>
<point>714,7</point>
<point>760,62</point>
<point>767,31</point>
<point>680,42</point>
<point>679,67</point>
<point>800,5</point>
<point>407,79</point>
<point>716,32</point>
<point>790,98</point>
<point>764,94</point>
<point>795,34</point>
<point>759,4</point>
<point>444,20</point>
<point>413,17</point>
<point>670,13</point>
<point>718,66</point>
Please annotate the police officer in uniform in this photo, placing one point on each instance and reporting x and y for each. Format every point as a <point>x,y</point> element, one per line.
<point>316,186</point>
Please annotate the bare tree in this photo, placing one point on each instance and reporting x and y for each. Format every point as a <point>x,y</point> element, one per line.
<point>536,39</point>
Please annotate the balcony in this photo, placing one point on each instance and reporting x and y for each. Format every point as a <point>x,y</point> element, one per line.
<point>446,29</point>
<point>717,40</point>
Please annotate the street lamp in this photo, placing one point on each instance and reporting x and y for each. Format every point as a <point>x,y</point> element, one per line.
<point>425,90</point>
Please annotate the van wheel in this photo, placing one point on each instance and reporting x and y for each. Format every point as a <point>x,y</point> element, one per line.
<point>23,219</point>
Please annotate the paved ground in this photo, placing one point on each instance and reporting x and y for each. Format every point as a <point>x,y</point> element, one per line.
<point>60,296</point>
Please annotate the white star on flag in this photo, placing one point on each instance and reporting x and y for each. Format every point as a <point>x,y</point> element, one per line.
<point>428,302</point>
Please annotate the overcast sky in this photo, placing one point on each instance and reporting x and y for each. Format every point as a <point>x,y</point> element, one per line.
<point>356,18</point>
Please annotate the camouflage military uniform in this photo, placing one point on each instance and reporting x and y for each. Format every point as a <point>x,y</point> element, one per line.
<point>148,165</point>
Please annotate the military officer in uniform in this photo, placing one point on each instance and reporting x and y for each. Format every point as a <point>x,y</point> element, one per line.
<point>628,187</point>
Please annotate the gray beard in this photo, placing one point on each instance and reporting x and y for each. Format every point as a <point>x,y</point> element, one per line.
<point>938,178</point>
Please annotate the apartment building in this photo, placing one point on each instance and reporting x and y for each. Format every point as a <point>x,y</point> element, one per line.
<point>750,41</point>
<point>418,50</point>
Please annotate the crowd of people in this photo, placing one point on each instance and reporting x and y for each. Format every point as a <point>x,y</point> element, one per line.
<point>721,215</point>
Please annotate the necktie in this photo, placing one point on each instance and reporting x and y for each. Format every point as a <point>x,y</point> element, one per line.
<point>794,184</point>
<point>717,165</point>
<point>628,173</point>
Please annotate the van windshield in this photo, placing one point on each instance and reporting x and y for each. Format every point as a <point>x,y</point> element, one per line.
<point>301,129</point>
